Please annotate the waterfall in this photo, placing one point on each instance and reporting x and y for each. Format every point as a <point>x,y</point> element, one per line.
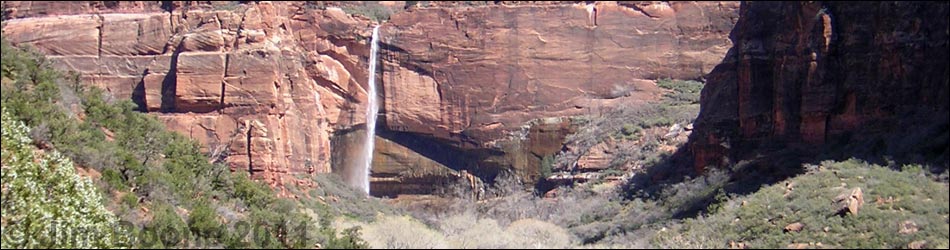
<point>372,108</point>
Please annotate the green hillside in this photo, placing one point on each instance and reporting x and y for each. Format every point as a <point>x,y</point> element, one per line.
<point>164,192</point>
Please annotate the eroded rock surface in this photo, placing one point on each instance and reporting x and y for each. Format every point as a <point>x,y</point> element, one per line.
<point>824,74</point>
<point>268,83</point>
<point>474,74</point>
<point>264,84</point>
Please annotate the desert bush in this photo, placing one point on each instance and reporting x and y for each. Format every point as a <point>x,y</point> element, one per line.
<point>114,179</point>
<point>636,239</point>
<point>402,232</point>
<point>619,90</point>
<point>532,233</point>
<point>480,233</point>
<point>483,224</point>
<point>40,134</point>
<point>465,230</point>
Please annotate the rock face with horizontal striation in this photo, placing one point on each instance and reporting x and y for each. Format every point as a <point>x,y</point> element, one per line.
<point>476,77</point>
<point>825,74</point>
<point>264,85</point>
<point>267,84</point>
<point>472,75</point>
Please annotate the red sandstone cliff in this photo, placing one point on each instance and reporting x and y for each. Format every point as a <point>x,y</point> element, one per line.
<point>269,83</point>
<point>265,84</point>
<point>473,74</point>
<point>816,74</point>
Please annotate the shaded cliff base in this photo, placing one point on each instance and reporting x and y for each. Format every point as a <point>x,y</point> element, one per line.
<point>668,204</point>
<point>606,146</point>
<point>922,143</point>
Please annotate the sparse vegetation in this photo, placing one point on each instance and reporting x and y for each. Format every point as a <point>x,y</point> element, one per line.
<point>637,132</point>
<point>664,215</point>
<point>464,231</point>
<point>577,217</point>
<point>682,92</point>
<point>227,5</point>
<point>900,207</point>
<point>372,10</point>
<point>416,4</point>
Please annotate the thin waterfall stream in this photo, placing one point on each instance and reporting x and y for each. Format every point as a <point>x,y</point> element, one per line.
<point>372,109</point>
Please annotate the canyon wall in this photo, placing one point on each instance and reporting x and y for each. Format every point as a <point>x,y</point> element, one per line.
<point>856,77</point>
<point>475,78</point>
<point>267,84</point>
<point>472,75</point>
<point>263,85</point>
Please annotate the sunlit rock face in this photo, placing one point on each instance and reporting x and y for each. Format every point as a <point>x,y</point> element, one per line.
<point>263,84</point>
<point>268,84</point>
<point>472,75</point>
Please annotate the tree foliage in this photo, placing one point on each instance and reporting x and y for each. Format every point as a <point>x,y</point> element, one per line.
<point>45,203</point>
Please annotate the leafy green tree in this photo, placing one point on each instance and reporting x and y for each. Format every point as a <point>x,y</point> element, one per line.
<point>45,204</point>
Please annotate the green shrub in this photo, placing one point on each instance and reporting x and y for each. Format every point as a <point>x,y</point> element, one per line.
<point>547,162</point>
<point>203,221</point>
<point>350,239</point>
<point>683,92</point>
<point>372,10</point>
<point>130,200</point>
<point>226,5</point>
<point>114,179</point>
<point>612,172</point>
<point>166,228</point>
<point>246,190</point>
<point>630,131</point>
